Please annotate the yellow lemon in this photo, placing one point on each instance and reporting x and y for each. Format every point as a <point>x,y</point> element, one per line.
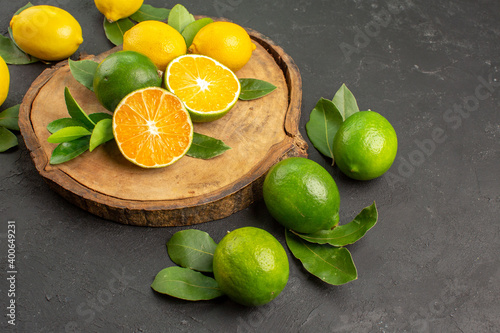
<point>46,32</point>
<point>118,9</point>
<point>4,81</point>
<point>157,40</point>
<point>226,42</point>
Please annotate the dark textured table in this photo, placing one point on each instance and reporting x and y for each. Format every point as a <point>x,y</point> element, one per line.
<point>431,264</point>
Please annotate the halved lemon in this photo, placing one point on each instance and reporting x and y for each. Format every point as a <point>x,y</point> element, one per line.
<point>152,128</point>
<point>207,88</point>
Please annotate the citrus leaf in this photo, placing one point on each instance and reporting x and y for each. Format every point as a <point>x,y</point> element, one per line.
<point>12,54</point>
<point>192,29</point>
<point>254,88</point>
<point>179,18</point>
<point>115,30</point>
<point>206,147</point>
<point>186,284</point>
<point>192,249</point>
<point>9,118</point>
<point>83,71</point>
<point>75,111</point>
<point>324,121</point>
<point>148,12</point>
<point>345,102</point>
<point>332,265</point>
<point>61,123</point>
<point>7,139</point>
<point>67,134</point>
<point>102,133</point>
<point>98,116</point>
<point>68,150</point>
<point>348,233</point>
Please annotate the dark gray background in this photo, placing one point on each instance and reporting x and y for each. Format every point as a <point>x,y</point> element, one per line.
<point>431,264</point>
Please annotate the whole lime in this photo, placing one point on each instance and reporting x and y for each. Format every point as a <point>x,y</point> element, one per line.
<point>250,266</point>
<point>121,73</point>
<point>301,195</point>
<point>365,145</point>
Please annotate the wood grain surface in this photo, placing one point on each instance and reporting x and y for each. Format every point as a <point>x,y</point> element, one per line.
<point>260,132</point>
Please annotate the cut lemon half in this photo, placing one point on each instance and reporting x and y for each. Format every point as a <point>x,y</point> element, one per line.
<point>207,88</point>
<point>152,128</point>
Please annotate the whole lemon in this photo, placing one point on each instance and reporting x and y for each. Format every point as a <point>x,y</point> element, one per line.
<point>250,266</point>
<point>115,10</point>
<point>157,40</point>
<point>365,145</point>
<point>226,42</point>
<point>301,195</point>
<point>4,81</point>
<point>46,32</point>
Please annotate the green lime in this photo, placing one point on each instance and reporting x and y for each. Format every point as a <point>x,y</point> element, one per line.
<point>120,74</point>
<point>301,195</point>
<point>250,266</point>
<point>365,146</point>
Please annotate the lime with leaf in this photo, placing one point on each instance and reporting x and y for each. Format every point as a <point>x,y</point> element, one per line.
<point>301,195</point>
<point>365,146</point>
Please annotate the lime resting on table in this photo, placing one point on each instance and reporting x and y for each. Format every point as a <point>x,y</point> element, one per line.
<point>301,195</point>
<point>365,145</point>
<point>250,266</point>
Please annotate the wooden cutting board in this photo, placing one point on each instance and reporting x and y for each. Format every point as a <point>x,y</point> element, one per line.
<point>260,132</point>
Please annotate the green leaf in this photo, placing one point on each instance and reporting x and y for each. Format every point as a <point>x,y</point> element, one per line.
<point>179,18</point>
<point>115,30</point>
<point>332,265</point>
<point>75,111</point>
<point>9,118</point>
<point>192,249</point>
<point>67,134</point>
<point>206,147</point>
<point>103,132</point>
<point>324,121</point>
<point>186,284</point>
<point>7,139</point>
<point>68,150</point>
<point>348,233</point>
<point>345,102</point>
<point>148,12</point>
<point>61,123</point>
<point>83,71</point>
<point>254,88</point>
<point>12,54</point>
<point>98,116</point>
<point>192,29</point>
